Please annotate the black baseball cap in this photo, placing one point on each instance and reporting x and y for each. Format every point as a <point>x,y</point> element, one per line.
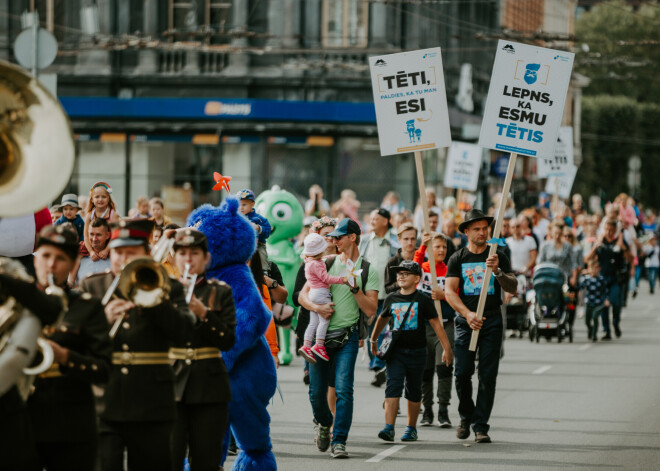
<point>409,266</point>
<point>386,214</point>
<point>344,227</point>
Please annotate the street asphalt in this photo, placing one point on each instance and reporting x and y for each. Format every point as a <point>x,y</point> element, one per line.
<point>571,405</point>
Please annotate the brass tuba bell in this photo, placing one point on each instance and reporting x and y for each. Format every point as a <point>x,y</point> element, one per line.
<point>36,144</point>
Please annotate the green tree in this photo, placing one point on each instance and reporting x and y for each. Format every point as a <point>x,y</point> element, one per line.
<point>619,50</point>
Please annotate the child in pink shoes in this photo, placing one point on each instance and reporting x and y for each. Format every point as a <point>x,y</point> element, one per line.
<point>319,292</point>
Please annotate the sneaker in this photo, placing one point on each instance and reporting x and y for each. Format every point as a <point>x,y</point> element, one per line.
<point>463,430</point>
<point>319,351</point>
<point>606,337</point>
<point>379,378</point>
<point>634,293</point>
<point>339,451</point>
<point>617,331</point>
<point>481,437</point>
<point>307,353</point>
<point>387,433</point>
<point>427,419</point>
<point>322,438</point>
<point>410,435</point>
<point>443,419</point>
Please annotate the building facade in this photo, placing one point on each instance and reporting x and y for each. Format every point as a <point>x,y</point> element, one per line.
<point>161,94</point>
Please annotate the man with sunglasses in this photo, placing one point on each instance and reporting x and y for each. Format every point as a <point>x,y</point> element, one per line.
<point>344,315</point>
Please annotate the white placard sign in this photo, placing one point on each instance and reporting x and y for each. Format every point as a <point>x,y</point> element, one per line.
<point>526,99</point>
<point>565,183</point>
<point>463,165</point>
<point>411,105</point>
<point>563,159</point>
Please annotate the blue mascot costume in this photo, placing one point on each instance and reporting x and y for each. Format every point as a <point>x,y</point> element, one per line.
<point>252,373</point>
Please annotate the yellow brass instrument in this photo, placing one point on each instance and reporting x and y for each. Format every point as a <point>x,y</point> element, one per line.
<point>142,281</point>
<point>36,144</point>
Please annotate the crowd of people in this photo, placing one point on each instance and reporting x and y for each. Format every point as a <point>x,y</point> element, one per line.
<point>366,284</point>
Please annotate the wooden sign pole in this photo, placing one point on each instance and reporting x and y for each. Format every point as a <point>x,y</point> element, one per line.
<point>493,248</point>
<point>427,227</point>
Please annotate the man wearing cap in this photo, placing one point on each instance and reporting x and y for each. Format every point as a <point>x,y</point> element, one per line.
<point>70,208</point>
<point>62,407</point>
<point>202,382</point>
<point>139,399</point>
<point>465,278</point>
<point>345,320</point>
<point>377,248</point>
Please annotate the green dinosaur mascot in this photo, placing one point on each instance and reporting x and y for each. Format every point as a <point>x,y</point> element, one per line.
<point>285,215</point>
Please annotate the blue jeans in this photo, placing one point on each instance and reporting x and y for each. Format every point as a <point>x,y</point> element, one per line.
<point>652,273</point>
<point>343,360</point>
<point>376,363</point>
<point>488,347</point>
<point>616,303</point>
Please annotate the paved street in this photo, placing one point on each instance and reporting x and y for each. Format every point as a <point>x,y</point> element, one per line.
<point>574,405</point>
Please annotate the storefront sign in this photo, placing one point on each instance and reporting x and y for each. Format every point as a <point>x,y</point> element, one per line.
<point>410,100</point>
<point>563,159</point>
<point>526,99</point>
<point>463,165</point>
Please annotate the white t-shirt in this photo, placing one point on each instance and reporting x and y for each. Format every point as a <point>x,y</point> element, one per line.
<point>520,250</point>
<point>541,229</point>
<point>652,260</point>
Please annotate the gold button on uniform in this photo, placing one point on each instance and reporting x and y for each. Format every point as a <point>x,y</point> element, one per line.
<point>124,371</point>
<point>126,325</point>
<point>124,347</point>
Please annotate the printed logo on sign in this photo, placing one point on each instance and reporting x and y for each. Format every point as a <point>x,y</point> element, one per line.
<point>429,55</point>
<point>380,63</point>
<point>561,58</point>
<point>414,134</point>
<point>509,48</point>
<point>532,73</point>
<point>217,108</point>
<point>473,279</point>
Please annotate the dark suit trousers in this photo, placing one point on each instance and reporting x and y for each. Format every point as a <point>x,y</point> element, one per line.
<point>202,427</point>
<point>67,456</point>
<point>149,445</point>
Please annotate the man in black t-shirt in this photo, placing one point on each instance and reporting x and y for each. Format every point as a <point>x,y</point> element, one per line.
<point>408,310</point>
<point>611,251</point>
<point>465,278</point>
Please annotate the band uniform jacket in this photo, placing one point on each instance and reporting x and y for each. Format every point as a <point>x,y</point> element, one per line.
<point>62,405</point>
<point>142,393</point>
<point>207,381</point>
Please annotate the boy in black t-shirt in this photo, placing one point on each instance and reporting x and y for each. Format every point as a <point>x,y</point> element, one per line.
<point>406,365</point>
<point>465,279</point>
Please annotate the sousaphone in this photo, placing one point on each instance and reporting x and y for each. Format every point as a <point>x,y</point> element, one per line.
<point>36,144</point>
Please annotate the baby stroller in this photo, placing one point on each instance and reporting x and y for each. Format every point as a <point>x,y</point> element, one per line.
<point>516,307</point>
<point>547,311</point>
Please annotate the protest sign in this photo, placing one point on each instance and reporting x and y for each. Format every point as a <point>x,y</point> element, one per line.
<point>563,184</point>
<point>410,100</point>
<point>526,99</point>
<point>563,159</point>
<point>463,165</point>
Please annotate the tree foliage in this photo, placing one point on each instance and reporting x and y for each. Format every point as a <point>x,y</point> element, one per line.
<point>614,128</point>
<point>619,50</point>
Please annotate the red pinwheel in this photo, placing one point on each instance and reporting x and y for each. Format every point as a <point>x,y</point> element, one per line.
<point>221,182</point>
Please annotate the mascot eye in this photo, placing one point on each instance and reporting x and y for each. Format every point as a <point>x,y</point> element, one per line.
<point>261,208</point>
<point>282,211</point>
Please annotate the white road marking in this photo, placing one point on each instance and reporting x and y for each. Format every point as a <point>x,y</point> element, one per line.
<point>586,346</point>
<point>385,453</point>
<point>541,370</point>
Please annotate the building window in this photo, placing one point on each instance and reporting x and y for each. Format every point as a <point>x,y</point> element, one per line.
<point>345,23</point>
